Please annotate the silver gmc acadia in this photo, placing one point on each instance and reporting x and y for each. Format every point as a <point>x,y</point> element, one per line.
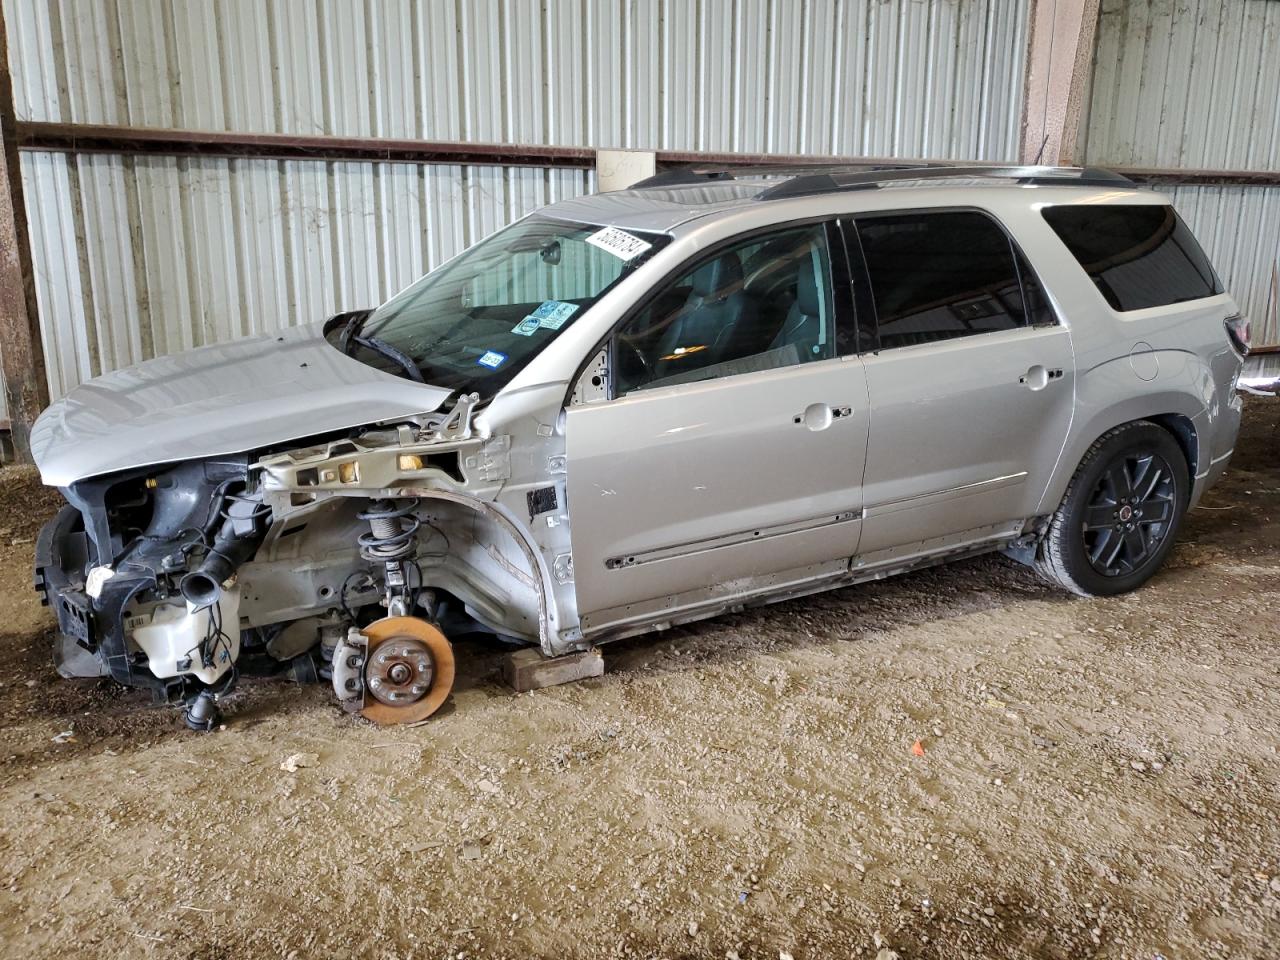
<point>641,408</point>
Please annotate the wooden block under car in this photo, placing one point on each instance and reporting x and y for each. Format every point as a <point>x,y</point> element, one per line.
<point>527,669</point>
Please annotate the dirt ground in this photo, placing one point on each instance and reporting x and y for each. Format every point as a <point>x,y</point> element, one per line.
<point>1098,779</point>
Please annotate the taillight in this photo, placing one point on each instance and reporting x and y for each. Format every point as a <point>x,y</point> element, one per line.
<point>1238,333</point>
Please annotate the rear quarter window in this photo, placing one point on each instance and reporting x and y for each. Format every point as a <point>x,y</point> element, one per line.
<point>1138,255</point>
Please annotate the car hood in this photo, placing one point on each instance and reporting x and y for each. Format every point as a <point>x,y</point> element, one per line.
<point>216,400</point>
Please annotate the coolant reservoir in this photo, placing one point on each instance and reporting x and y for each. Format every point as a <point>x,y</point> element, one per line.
<point>174,634</point>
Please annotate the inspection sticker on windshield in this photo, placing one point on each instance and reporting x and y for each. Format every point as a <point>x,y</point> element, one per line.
<point>492,359</point>
<point>553,313</point>
<point>527,327</point>
<point>618,242</point>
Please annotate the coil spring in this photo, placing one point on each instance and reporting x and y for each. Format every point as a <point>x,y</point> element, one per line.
<point>392,530</point>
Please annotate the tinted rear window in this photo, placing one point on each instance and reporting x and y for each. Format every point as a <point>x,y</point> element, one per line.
<point>938,276</point>
<point>1138,256</point>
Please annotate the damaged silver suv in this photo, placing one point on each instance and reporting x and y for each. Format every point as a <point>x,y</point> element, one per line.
<point>640,408</point>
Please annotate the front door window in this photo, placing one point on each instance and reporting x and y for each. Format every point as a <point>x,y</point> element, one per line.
<point>759,305</point>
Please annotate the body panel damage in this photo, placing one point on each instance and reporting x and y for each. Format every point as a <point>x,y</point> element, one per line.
<point>594,459</point>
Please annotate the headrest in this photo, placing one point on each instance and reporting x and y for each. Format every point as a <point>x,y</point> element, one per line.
<point>713,280</point>
<point>807,300</point>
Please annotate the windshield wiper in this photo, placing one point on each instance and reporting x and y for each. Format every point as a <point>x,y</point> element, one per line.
<point>394,354</point>
<point>351,334</point>
<point>351,328</point>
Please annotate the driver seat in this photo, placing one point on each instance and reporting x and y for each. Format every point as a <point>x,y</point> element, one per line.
<point>713,311</point>
<point>803,326</point>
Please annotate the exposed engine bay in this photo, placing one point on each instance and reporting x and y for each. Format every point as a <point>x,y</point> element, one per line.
<point>348,560</point>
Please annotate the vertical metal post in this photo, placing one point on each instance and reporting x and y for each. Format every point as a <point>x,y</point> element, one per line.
<point>618,169</point>
<point>1059,61</point>
<point>26,389</point>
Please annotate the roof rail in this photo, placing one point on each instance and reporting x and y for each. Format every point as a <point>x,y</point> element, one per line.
<point>802,186</point>
<point>677,178</point>
<point>693,175</point>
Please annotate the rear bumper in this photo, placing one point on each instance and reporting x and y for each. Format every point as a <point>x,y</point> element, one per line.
<point>1222,435</point>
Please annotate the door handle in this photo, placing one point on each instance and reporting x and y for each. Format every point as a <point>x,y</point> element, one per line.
<point>819,416</point>
<point>1038,377</point>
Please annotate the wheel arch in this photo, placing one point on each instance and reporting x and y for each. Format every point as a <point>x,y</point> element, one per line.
<point>539,578</point>
<point>1106,399</point>
<point>1184,431</point>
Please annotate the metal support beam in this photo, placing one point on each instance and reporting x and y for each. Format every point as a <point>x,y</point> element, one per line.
<point>1059,60</point>
<point>104,138</point>
<point>26,389</point>
<point>98,138</point>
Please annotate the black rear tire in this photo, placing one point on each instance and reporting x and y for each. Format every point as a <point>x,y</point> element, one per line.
<point>1120,514</point>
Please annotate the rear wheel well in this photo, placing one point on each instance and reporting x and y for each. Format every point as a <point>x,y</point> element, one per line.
<point>1184,431</point>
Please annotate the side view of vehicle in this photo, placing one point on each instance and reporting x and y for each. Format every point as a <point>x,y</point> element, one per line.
<point>641,408</point>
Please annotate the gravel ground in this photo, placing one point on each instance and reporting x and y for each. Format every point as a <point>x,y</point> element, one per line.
<point>1093,778</point>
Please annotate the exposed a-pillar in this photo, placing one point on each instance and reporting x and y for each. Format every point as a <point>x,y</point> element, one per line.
<point>21,357</point>
<point>1058,64</point>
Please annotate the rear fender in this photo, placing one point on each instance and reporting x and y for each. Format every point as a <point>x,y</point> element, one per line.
<point>1112,394</point>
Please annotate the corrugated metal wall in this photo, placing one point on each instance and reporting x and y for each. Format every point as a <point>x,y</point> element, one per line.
<point>1195,84</point>
<point>138,257</point>
<point>1240,230</point>
<point>937,78</point>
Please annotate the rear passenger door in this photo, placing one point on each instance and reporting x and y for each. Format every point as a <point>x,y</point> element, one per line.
<point>970,383</point>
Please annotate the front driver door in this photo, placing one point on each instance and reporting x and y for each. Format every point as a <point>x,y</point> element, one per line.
<point>729,458</point>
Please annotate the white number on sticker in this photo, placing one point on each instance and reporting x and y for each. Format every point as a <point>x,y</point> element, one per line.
<point>618,242</point>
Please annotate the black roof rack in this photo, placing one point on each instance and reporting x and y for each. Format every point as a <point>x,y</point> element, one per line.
<point>802,186</point>
<point>680,178</point>
<point>820,178</point>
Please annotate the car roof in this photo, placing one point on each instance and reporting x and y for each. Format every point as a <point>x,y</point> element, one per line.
<point>658,209</point>
<point>667,201</point>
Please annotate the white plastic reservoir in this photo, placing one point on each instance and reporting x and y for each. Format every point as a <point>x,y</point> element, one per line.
<point>174,634</point>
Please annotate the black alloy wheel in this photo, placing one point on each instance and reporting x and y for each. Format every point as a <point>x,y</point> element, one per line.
<point>1129,513</point>
<point>1120,513</point>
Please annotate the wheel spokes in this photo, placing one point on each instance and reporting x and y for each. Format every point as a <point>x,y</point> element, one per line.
<point>1146,483</point>
<point>1106,549</point>
<point>1129,514</point>
<point>1156,510</point>
<point>1117,479</point>
<point>1100,516</point>
<point>1135,544</point>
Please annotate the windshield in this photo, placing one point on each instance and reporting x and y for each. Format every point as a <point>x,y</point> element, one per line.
<point>474,323</point>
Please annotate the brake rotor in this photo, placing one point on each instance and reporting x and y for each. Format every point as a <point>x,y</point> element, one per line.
<point>408,670</point>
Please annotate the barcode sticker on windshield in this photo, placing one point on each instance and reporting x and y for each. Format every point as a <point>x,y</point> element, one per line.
<point>618,242</point>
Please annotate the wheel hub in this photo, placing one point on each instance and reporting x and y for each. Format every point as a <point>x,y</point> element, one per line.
<point>408,670</point>
<point>400,671</point>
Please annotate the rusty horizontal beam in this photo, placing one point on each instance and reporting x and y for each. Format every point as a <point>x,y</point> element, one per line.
<point>697,160</point>
<point>1171,176</point>
<point>102,138</point>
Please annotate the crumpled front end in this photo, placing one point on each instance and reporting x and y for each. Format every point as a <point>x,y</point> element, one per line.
<point>349,559</point>
<point>138,569</point>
